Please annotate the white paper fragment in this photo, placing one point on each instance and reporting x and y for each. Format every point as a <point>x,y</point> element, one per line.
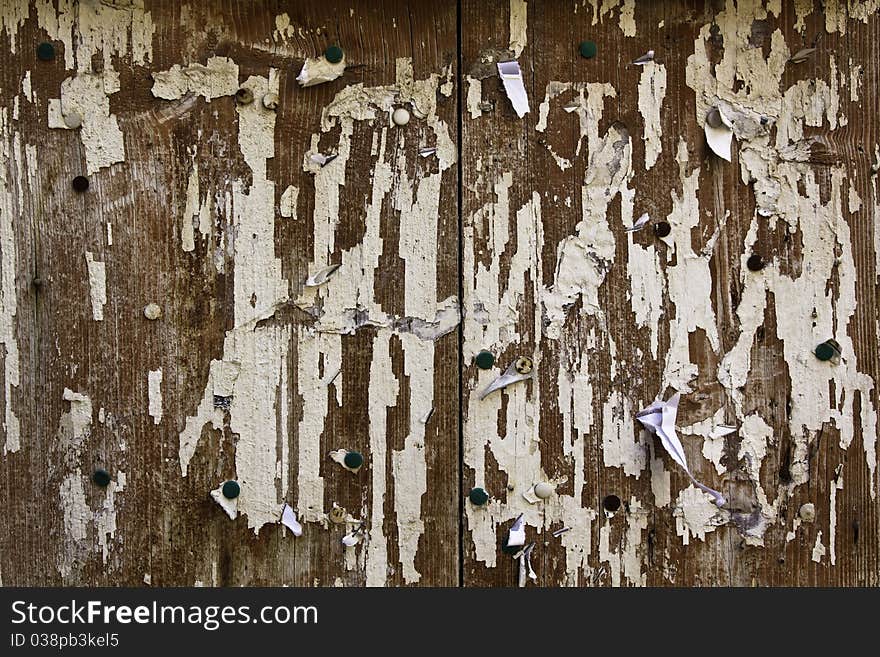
<point>645,59</point>
<point>229,506</point>
<point>719,138</point>
<point>288,519</point>
<point>354,537</point>
<point>321,276</point>
<point>427,416</point>
<point>525,565</point>
<point>571,107</point>
<point>427,152</point>
<point>511,76</point>
<point>517,534</point>
<point>659,419</point>
<point>722,430</point>
<point>317,70</point>
<point>530,497</point>
<point>322,160</point>
<point>560,532</point>
<point>519,370</point>
<point>801,55</point>
<point>639,223</point>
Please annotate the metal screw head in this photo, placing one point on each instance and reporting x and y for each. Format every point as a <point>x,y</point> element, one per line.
<point>152,311</point>
<point>45,52</point>
<point>478,496</point>
<point>523,365</point>
<point>353,460</point>
<point>101,477</point>
<point>755,262</point>
<point>244,96</point>
<point>588,49</point>
<point>662,228</point>
<point>270,101</point>
<point>333,54</point>
<point>80,184</point>
<point>231,490</point>
<point>72,120</point>
<point>337,514</point>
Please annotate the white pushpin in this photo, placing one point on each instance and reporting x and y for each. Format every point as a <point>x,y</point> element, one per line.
<point>321,276</point>
<point>400,116</point>
<point>288,519</point>
<point>519,370</point>
<point>659,419</point>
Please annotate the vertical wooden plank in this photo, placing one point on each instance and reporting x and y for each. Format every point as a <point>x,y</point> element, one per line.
<point>614,320</point>
<point>218,216</point>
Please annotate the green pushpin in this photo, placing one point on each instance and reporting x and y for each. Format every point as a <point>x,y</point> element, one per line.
<point>478,496</point>
<point>231,490</point>
<point>101,477</point>
<point>353,460</point>
<point>45,51</point>
<point>588,49</point>
<point>828,350</point>
<point>333,54</point>
<point>484,360</point>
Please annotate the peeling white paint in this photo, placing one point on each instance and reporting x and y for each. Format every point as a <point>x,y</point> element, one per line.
<point>154,380</point>
<point>518,26</point>
<point>97,274</point>
<point>652,91</point>
<point>696,515</point>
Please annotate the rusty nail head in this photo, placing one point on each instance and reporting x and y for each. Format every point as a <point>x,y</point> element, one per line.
<point>662,228</point>
<point>755,262</point>
<point>611,503</point>
<point>244,96</point>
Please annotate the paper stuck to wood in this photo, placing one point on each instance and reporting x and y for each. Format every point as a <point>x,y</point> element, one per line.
<point>511,76</point>
<point>317,70</point>
<point>720,138</point>
<point>288,519</point>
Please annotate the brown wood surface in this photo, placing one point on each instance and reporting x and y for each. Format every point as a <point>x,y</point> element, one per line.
<point>505,212</point>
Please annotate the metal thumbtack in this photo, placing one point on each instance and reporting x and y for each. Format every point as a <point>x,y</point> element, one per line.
<point>755,262</point>
<point>270,101</point>
<point>519,370</point>
<point>72,120</point>
<point>485,360</point>
<point>337,514</point>
<point>152,311</point>
<point>45,52</point>
<point>828,350</point>
<point>662,228</point>
<point>244,96</point>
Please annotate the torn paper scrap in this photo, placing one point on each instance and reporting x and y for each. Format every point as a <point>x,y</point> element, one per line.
<point>321,276</point>
<point>516,536</point>
<point>317,70</point>
<point>519,370</point>
<point>288,519</point>
<point>659,419</point>
<point>525,565</point>
<point>428,151</point>
<point>512,78</point>
<point>645,59</point>
<point>639,223</point>
<point>354,537</point>
<point>230,506</point>
<point>719,133</point>
<point>801,55</point>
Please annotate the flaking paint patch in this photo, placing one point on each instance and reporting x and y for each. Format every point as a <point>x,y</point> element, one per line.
<point>154,389</point>
<point>474,97</point>
<point>97,275</point>
<point>88,95</point>
<point>216,78</point>
<point>10,204</point>
<point>518,26</point>
<point>696,515</point>
<point>652,91</point>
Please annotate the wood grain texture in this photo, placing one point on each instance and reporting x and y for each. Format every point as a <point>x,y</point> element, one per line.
<point>521,222</point>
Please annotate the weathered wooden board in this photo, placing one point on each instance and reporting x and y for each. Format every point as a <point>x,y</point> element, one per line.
<point>215,211</point>
<point>218,216</point>
<point>613,319</point>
